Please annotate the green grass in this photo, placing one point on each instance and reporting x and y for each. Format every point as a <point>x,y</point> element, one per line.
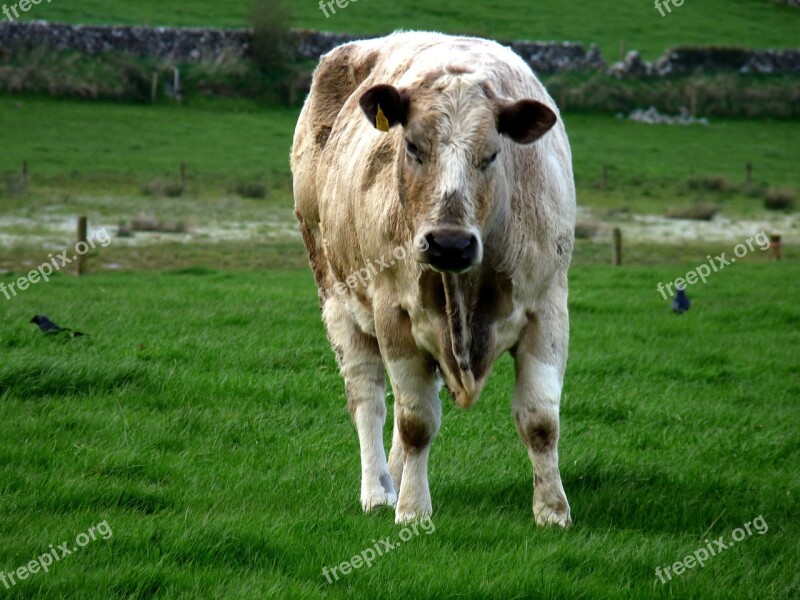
<point>71,139</point>
<point>221,139</point>
<point>205,421</point>
<point>627,24</point>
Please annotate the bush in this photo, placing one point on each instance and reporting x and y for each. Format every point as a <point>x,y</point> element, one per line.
<point>779,198</point>
<point>585,230</point>
<point>251,189</point>
<point>272,46</point>
<point>162,187</point>
<point>712,183</point>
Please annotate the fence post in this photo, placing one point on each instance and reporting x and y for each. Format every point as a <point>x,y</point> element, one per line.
<point>748,172</point>
<point>182,175</point>
<point>154,88</point>
<point>81,253</point>
<point>616,252</point>
<point>776,246</point>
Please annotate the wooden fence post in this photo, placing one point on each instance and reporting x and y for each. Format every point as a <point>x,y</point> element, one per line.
<point>776,246</point>
<point>182,176</point>
<point>154,88</point>
<point>616,252</point>
<point>24,174</point>
<point>748,168</point>
<point>81,247</point>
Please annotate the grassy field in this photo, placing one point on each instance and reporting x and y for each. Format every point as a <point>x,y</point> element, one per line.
<point>219,139</point>
<point>205,423</point>
<point>105,153</point>
<point>628,24</point>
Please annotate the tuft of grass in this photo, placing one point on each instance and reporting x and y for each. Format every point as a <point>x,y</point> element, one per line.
<point>161,186</point>
<point>779,198</point>
<point>256,190</point>
<point>712,183</point>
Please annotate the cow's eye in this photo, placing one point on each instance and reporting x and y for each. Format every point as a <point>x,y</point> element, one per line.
<point>413,151</point>
<point>488,161</point>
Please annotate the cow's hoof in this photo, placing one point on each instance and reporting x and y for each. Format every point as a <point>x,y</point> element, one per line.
<point>378,499</point>
<point>408,516</point>
<point>556,516</point>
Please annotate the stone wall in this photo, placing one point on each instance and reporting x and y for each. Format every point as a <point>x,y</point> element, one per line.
<point>691,60</point>
<point>196,44</point>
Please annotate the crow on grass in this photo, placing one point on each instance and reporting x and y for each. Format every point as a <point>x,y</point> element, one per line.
<point>680,303</point>
<point>50,328</point>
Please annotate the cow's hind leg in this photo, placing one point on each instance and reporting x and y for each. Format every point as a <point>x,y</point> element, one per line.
<point>365,384</point>
<point>540,359</point>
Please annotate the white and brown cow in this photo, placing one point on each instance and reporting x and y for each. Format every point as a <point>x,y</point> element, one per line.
<point>452,143</point>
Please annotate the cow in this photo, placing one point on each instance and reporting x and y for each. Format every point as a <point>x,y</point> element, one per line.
<point>451,150</point>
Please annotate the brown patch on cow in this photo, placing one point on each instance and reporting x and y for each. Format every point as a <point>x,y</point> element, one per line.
<point>459,69</point>
<point>414,432</point>
<point>338,75</point>
<point>322,135</point>
<point>493,302</point>
<point>377,162</point>
<point>542,436</point>
<point>432,291</point>
<point>315,259</point>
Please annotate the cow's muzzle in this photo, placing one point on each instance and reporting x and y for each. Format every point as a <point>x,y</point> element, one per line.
<point>451,250</point>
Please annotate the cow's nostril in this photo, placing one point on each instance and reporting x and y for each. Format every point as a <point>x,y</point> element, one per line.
<point>451,251</point>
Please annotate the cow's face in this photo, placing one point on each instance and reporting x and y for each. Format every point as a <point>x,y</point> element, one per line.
<point>449,160</point>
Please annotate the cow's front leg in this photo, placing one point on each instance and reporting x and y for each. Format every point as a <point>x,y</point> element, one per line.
<point>540,358</point>
<point>418,413</point>
<point>361,365</point>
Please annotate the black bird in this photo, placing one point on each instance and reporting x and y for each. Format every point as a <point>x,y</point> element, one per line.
<point>50,328</point>
<point>680,303</point>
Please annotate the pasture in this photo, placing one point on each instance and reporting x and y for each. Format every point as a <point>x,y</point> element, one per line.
<point>205,421</point>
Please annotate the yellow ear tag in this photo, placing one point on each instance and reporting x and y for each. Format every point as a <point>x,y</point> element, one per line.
<point>381,122</point>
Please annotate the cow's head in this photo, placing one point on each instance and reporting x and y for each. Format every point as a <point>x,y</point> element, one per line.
<point>453,130</point>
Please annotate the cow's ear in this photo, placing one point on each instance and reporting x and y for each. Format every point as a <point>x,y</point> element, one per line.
<point>385,106</point>
<point>525,121</point>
